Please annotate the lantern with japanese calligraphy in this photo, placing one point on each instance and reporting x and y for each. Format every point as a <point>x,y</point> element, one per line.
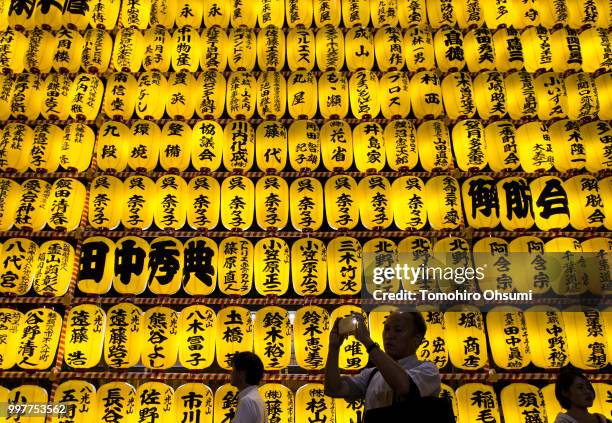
<point>225,403</point>
<point>344,266</point>
<point>534,147</point>
<point>20,259</point>
<point>521,402</point>
<point>311,344</point>
<point>157,52</point>
<point>272,336</point>
<point>304,145</point>
<point>467,342</point>
<point>569,152</point>
<point>594,47</point>
<point>117,400</point>
<point>308,266</point>
<point>278,399</point>
<point>311,404</point>
<point>136,14</point>
<point>537,49</point>
<point>383,13</point>
<point>38,339</point>
<point>302,95</point>
<point>408,203</point>
<point>603,86</point>
<point>550,203</point>
<point>597,137</point>
<point>401,145</point>
<point>329,48</point>
<point>204,194</point>
<point>490,95</point>
<point>306,204</point>
<point>327,12</point>
<point>447,214</point>
<point>235,266</point>
<point>179,103</point>
<point>363,89</point>
<point>166,259</point>
<point>200,266</point>
<point>584,202</point>
<point>271,48</point>
<point>157,399</point>
<point>348,410</point>
<point>271,13</point>
<point>12,44</point>
<point>507,334</point>
<point>478,48</point>
<point>441,13</point>
<point>80,398</point>
<point>160,328</point>
<point>197,329</point>
<point>97,50</point>
<point>10,194</point>
<point>376,322</point>
<point>587,343</point>
<point>415,250</point>
<point>77,147</point>
<point>271,146</point>
<point>352,353</point>
<point>426,95</point>
<point>216,14</point>
<point>566,55</point>
<point>28,395</point>
<point>104,13</point>
<point>33,209</point>
<point>39,52</point>
<point>502,14</point>
<point>151,95</point>
<point>500,137</point>
<point>96,266</point>
<point>194,402</point>
<point>336,145</point>
<point>448,48</point>
<point>388,46</point>
<point>16,141</point>
<point>299,13</point>
<point>112,148</point>
<point>515,203</point>
<point>333,95</point>
<point>241,95</point>
<point>143,145</point>
<point>242,49</point>
<point>84,336</point>
<point>301,49</point>
<point>369,146</point>
<point>375,207</point>
<point>120,96</point>
<point>131,265</point>
<point>271,95</point>
<point>507,47</point>
<point>128,50</point>
<point>85,97</point>
<point>547,337</point>
<point>565,266</point>
<point>164,13</point>
<point>520,95</point>
<point>434,346</point>
<point>469,145</point>
<point>237,202</point>
<point>27,96</point>
<point>394,95</point>
<point>271,266</point>
<point>6,93</point>
<point>271,203</point>
<point>54,270</point>
<point>215,47</point>
<point>123,337</point>
<point>234,334</point>
<point>356,13</point>
<point>582,100</point>
<point>377,253</point>
<point>598,264</point>
<point>170,210</point>
<point>341,202</point>
<point>550,96</point>
<point>434,146</point>
<point>66,203</point>
<point>605,186</point>
<point>9,330</point>
<point>458,95</point>
<point>207,145</point>
<point>175,146</point>
<point>492,254</point>
<point>481,202</point>
<point>359,47</point>
<point>411,13</point>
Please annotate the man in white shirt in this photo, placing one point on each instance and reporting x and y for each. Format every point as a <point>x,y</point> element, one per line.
<point>246,374</point>
<point>398,374</point>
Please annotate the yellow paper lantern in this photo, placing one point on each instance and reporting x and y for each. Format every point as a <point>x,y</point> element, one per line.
<point>143,145</point>
<point>434,345</point>
<point>21,258</point>
<point>9,329</point>
<point>434,146</point>
<point>401,145</point>
<point>77,147</point>
<point>329,48</point>
<point>359,44</point>
<point>117,399</point>
<point>521,401</point>
<point>344,266</point>
<point>547,337</point>
<point>490,95</point>
<point>448,47</point>
<point>467,342</point>
<point>469,14</point>
<point>534,147</point>
<point>207,145</point>
<point>170,210</point>
<point>157,54</point>
<point>441,13</point>
<point>271,95</point>
<point>537,49</point>
<point>586,338</point>
<point>352,354</point>
<point>85,97</point>
<point>452,252</point>
<point>28,394</point>
<point>375,207</point>
<point>96,266</point>
<point>128,50</point>
<point>12,44</point>
<point>333,95</point>
<point>164,13</point>
<point>550,203</point>
<point>306,204</point>
<point>601,406</point>
<point>234,334</point>
<point>605,186</point>
<point>380,253</point>
<point>550,96</point>
<point>105,13</point>
<point>155,398</point>
<point>411,13</point>
<point>507,47</point>
<point>327,12</point>
<point>237,203</point>
<point>200,268</point>
<point>302,95</point>
<point>175,146</point>
<point>166,264</point>
<point>123,337</point>
<point>84,336</point>
<point>271,146</point>
<point>39,334</point>
<point>271,12</point>
<point>582,100</point>
<point>10,194</point>
<point>502,14</point>
<point>311,326</point>
<point>112,150</point>
<point>529,264</point>
<point>447,393</point>
<point>301,49</point>
<point>40,50</point>
<point>594,46</point>
<point>97,50</point>
<point>308,267</point>
<point>271,266</point>
<point>194,402</point>
<point>33,209</point>
<point>160,348</point>
<point>66,203</point>
<point>241,95</point>
<point>215,45</point>
<point>515,203</point>
<point>151,95</point>
<point>501,143</point>
<point>311,404</point>
<point>384,13</point>
<point>16,141</point>
<point>272,337</point>
<point>447,214</point>
<point>507,334</point>
<point>458,95</point>
<point>217,13</point>
<point>603,86</point>
<point>565,266</point>
<point>584,202</point>
<point>27,96</point>
<point>197,329</point>
<point>388,46</point>
<point>520,95</point>
<point>136,15</point>
<point>415,250</point>
<point>226,403</point>
<point>132,269</point>
<point>363,88</point>
<point>6,92</point>
<point>469,145</point>
<point>120,96</point>
<point>79,397</point>
<point>242,49</point>
<point>68,51</point>
<point>395,95</point>
<point>426,95</point>
<point>299,13</point>
<point>55,266</point>
<point>597,264</point>
<point>271,203</point>
<point>336,145</point>
<point>235,266</point>
<point>204,193</point>
<point>271,48</point>
<point>408,203</point>
<point>341,202</point>
<point>481,202</point>
<point>566,54</point>
<point>179,103</point>
<point>566,139</point>
<point>596,139</point>
<point>369,145</point>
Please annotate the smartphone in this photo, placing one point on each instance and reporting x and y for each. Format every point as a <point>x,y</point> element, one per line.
<point>347,325</point>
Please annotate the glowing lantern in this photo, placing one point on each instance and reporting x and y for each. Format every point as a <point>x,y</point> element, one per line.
<point>150,95</point>
<point>448,47</point>
<point>120,96</point>
<point>408,203</point>
<point>271,49</point>
<point>170,210</point>
<point>478,48</point>
<point>375,209</point>
<point>175,146</point>
<point>515,203</point>
<point>359,48</point>
<point>84,336</point>
<point>547,338</point>
<point>33,210</point>
<point>344,266</point>
<point>352,353</point>
<point>333,95</point>
<point>500,137</point>
<point>441,13</point>
<point>105,13</point>
<point>327,12</point>
<point>302,95</point>
<point>426,95</point>
<point>55,266</point>
<point>12,43</point>
<point>28,394</point>
<point>500,15</point>
<point>117,399</point>
<point>415,250</point>
<point>307,203</point>
<point>235,266</point>
<point>534,147</point>
<point>123,337</point>
<point>566,267</point>
<point>537,49</point>
<point>68,51</point>
<point>596,137</point>
<point>39,51</point>
<point>21,257</point>
<point>271,146</point>
<point>401,145</point>
<point>458,95</point>
<point>550,95</point>
<point>601,405</point>
<point>598,264</point>
<point>521,401</point>
<point>467,342</point>
<point>329,48</point>
<point>301,49</point>
<point>38,339</point>
<point>234,334</point>
<point>143,144</point>
<point>128,50</point>
<point>272,332</point>
<point>85,97</point>
<point>603,86</point>
<point>452,252</point>
<point>508,49</point>
<point>364,87</point>
<point>271,13</point>
<point>136,15</point>
<point>311,326</point>
<point>584,202</point>
<point>469,14</point>
<point>271,203</point>
<point>10,194</point>
<point>241,95</point>
<point>204,193</point>
<point>341,202</point>
<point>384,13</point>
<point>376,322</point>
<point>96,266</point>
<point>207,145</point>
<point>568,148</point>
<point>217,13</point>
<point>225,403</point>
<point>157,54</point>
<point>271,259</point>
<point>77,147</point>
<point>434,146</point>
<point>520,95</point>
<point>97,50</point>
<point>27,96</point>
<point>447,393</point>
<point>395,95</point>
<point>309,394</point>
<point>112,148</point>
<point>79,397</point>
<point>242,49</point>
<point>179,103</point>
<point>54,104</point>
<point>507,333</point>
<point>200,277</point>
<point>446,215</point>
<point>605,186</point>
<point>156,398</point>
<point>582,100</point>
<point>197,329</point>
<point>11,320</point>
<point>469,145</point>
<point>66,203</point>
<point>380,252</point>
<point>299,13</point>
<point>131,265</point>
<point>160,349</point>
<point>388,43</point>
<point>550,203</point>
<point>434,345</point>
<point>215,47</point>
<point>594,45</point>
<point>164,13</point>
<point>16,140</point>
<point>529,265</point>
<point>566,54</point>
<point>166,260</point>
<point>6,92</point>
<point>481,202</point>
<point>237,202</point>
<point>336,145</point>
<point>490,95</point>
<point>586,338</point>
<point>308,267</point>
<point>194,401</point>
<point>369,147</point>
<point>271,95</point>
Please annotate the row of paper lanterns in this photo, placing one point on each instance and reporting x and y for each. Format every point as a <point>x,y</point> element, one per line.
<point>329,49</point>
<point>161,338</point>
<point>303,145</point>
<point>196,402</point>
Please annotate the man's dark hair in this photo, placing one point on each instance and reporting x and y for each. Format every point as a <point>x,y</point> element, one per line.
<point>419,323</point>
<point>251,364</point>
<point>566,377</point>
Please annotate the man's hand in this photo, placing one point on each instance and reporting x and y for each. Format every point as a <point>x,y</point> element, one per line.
<point>362,334</point>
